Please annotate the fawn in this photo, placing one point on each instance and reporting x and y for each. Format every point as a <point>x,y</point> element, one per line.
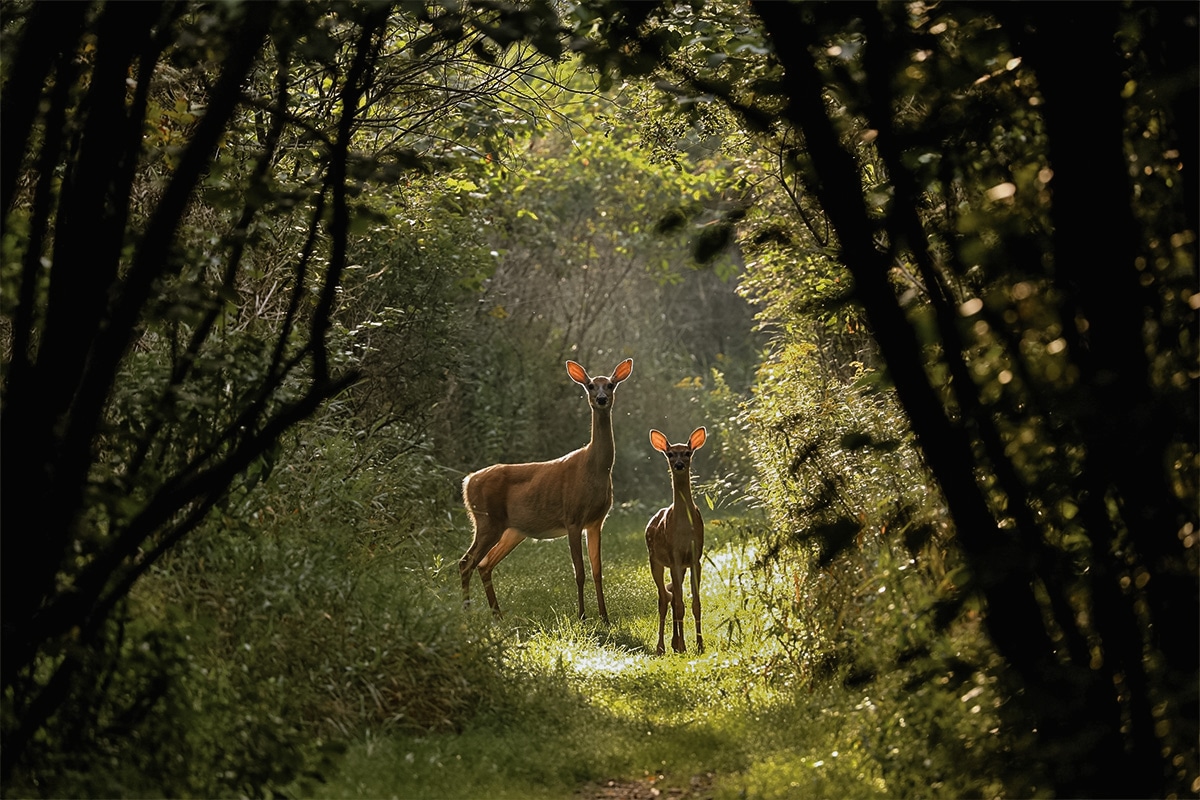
<point>547,499</point>
<point>675,540</point>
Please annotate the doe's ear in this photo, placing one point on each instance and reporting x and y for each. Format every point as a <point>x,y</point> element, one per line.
<point>623,370</point>
<point>577,372</point>
<point>698,438</point>
<point>658,441</point>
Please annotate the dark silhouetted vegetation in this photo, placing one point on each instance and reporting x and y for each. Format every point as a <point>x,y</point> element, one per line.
<point>276,276</point>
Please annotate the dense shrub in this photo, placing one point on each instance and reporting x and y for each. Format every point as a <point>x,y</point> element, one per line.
<point>305,587</point>
<point>308,610</point>
<point>858,580</point>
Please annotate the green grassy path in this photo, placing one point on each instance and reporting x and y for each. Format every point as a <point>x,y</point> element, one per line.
<point>585,703</point>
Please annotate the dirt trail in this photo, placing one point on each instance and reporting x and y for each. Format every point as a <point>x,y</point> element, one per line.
<point>698,788</point>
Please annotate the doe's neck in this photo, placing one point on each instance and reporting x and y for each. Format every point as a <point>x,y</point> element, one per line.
<point>681,483</point>
<point>602,449</point>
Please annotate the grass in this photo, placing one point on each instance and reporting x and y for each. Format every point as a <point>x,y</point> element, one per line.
<point>578,703</point>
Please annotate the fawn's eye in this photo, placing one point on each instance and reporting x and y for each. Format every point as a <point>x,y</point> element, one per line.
<point>591,387</point>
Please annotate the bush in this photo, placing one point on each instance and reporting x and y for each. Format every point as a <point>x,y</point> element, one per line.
<point>163,721</point>
<point>859,583</point>
<point>305,611</point>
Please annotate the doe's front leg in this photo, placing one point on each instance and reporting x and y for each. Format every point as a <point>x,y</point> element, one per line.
<point>593,544</point>
<point>575,539</point>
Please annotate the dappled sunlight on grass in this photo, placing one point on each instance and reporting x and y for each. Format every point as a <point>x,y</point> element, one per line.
<point>602,660</point>
<point>579,702</point>
<point>785,776</point>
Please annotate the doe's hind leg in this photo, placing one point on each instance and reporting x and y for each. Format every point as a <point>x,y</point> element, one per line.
<point>487,533</point>
<point>508,540</point>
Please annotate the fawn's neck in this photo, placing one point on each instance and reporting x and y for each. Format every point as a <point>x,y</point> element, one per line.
<point>601,449</point>
<point>681,482</point>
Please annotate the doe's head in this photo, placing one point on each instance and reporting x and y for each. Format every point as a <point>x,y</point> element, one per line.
<point>601,389</point>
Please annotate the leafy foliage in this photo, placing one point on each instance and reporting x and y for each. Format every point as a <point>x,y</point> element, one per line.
<point>183,188</point>
<point>939,144</point>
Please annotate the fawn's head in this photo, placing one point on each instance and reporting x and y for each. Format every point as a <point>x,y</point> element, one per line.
<point>600,390</point>
<point>679,456</point>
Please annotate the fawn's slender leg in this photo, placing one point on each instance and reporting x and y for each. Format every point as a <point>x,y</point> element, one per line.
<point>510,539</point>
<point>696,603</point>
<point>664,600</point>
<point>593,544</point>
<point>677,643</point>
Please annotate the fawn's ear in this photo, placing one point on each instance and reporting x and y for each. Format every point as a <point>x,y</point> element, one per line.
<point>577,373</point>
<point>658,441</point>
<point>623,370</point>
<point>697,439</point>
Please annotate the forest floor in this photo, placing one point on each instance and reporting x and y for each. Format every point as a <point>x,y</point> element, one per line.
<point>594,713</point>
<point>699,788</point>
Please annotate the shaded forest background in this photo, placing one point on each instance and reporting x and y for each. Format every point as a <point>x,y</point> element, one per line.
<point>276,276</point>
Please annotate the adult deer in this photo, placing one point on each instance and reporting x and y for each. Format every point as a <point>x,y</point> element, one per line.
<point>675,540</point>
<point>547,499</point>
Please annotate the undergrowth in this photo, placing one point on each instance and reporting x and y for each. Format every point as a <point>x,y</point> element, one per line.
<point>314,644</point>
